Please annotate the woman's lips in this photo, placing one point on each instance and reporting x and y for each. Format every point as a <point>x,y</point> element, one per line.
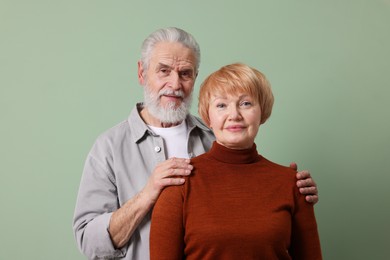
<point>235,128</point>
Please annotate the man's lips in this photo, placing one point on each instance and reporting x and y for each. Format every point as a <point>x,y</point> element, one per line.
<point>172,96</point>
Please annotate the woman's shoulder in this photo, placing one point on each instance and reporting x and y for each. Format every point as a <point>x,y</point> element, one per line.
<point>277,168</point>
<point>200,158</point>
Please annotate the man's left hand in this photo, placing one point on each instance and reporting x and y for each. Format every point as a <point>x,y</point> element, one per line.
<point>306,184</point>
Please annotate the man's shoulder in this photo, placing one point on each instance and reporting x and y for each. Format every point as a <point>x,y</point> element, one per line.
<point>110,138</point>
<point>116,131</point>
<point>123,129</point>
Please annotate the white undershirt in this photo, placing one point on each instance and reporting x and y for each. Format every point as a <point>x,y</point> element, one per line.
<point>175,139</point>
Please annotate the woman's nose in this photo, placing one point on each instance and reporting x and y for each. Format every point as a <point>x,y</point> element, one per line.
<point>234,113</point>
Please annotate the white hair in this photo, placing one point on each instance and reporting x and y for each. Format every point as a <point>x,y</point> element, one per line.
<point>168,114</point>
<point>170,34</point>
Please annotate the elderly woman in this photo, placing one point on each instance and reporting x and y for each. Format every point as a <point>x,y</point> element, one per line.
<point>237,204</point>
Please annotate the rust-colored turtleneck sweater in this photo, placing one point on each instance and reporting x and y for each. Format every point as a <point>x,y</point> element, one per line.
<point>235,205</point>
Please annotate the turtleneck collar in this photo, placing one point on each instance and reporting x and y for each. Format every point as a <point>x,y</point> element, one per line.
<point>233,156</point>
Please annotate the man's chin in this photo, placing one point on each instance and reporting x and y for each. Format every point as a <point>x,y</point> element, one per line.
<point>169,115</point>
<point>172,105</point>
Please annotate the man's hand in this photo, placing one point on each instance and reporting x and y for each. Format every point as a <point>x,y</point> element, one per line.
<point>167,173</point>
<point>306,184</point>
<point>126,219</point>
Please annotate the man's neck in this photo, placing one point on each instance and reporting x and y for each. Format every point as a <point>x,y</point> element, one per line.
<point>151,120</point>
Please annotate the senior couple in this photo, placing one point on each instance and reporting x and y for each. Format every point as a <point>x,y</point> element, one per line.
<point>203,186</point>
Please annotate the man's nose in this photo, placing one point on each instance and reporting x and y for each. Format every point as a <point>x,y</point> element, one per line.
<point>175,81</point>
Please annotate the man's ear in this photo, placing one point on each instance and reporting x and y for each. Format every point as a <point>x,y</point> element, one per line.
<point>141,78</point>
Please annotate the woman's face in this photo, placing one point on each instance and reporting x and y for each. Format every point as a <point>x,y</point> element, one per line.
<point>235,119</point>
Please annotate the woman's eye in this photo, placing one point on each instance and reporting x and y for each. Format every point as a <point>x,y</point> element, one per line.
<point>220,105</point>
<point>246,103</point>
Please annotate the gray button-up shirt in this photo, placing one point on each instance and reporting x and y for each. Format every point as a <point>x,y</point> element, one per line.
<point>116,169</point>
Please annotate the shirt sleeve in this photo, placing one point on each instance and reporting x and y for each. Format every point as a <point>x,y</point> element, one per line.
<point>167,231</point>
<point>96,200</point>
<point>305,242</point>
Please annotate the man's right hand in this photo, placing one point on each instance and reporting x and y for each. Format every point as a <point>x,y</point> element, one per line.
<point>167,173</point>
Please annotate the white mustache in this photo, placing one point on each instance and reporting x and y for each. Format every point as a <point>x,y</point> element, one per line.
<point>177,93</point>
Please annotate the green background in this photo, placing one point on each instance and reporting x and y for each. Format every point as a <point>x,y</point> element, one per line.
<point>68,73</point>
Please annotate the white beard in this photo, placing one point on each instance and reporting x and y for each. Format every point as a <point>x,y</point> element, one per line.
<point>168,114</point>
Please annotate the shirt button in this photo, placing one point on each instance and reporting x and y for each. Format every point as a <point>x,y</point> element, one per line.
<point>157,149</point>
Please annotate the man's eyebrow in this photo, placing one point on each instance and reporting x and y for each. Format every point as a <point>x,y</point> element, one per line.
<point>183,69</point>
<point>162,65</point>
<point>187,69</point>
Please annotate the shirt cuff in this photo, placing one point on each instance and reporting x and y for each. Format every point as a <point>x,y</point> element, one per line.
<point>98,241</point>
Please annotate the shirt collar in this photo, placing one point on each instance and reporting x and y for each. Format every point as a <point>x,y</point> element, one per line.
<point>137,125</point>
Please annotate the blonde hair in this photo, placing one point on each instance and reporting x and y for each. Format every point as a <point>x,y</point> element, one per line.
<point>235,79</point>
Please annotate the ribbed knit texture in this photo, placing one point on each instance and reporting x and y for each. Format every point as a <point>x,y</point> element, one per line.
<point>235,205</point>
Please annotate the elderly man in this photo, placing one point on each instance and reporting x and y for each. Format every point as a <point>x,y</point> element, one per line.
<point>131,163</point>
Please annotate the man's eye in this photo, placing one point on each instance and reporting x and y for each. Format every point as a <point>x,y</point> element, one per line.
<point>164,71</point>
<point>186,74</point>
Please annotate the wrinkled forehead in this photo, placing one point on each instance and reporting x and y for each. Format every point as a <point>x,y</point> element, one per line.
<point>173,54</point>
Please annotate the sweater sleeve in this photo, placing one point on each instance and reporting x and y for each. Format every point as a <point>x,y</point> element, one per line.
<point>305,242</point>
<point>167,231</point>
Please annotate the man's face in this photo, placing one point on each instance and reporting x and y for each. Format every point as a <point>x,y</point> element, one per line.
<point>169,81</point>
